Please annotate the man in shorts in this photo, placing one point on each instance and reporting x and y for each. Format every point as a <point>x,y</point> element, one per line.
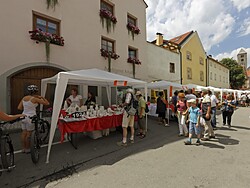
<point>127,120</point>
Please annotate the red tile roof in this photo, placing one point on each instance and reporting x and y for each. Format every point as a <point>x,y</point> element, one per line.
<point>181,38</point>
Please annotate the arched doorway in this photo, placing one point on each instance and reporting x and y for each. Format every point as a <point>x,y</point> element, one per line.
<point>33,75</point>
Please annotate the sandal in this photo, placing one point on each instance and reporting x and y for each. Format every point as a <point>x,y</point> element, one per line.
<point>142,136</point>
<point>139,134</point>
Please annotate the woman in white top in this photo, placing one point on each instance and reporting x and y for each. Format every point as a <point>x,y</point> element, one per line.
<point>28,104</point>
<point>74,98</point>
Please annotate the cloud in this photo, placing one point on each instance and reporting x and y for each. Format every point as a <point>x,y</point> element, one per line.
<point>172,18</point>
<point>245,28</point>
<point>241,4</point>
<point>233,54</point>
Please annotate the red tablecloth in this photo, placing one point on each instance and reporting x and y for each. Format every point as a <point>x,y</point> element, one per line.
<point>89,125</point>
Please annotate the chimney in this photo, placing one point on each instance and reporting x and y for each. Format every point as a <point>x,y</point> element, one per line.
<point>159,39</point>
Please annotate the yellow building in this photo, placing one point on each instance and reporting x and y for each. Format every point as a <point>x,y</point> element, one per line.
<point>193,58</point>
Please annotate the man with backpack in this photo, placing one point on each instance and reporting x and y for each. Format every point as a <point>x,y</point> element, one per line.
<point>141,115</point>
<point>128,117</point>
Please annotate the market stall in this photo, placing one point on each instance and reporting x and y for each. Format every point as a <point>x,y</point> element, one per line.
<point>161,85</point>
<point>88,77</point>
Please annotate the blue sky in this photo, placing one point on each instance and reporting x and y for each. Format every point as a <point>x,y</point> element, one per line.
<point>223,25</point>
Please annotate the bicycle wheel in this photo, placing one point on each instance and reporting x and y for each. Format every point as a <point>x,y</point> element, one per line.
<point>44,128</point>
<point>7,152</point>
<point>34,147</point>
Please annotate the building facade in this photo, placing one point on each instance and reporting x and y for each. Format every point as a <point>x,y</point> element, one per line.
<point>117,27</point>
<point>217,74</point>
<point>163,61</point>
<point>193,58</point>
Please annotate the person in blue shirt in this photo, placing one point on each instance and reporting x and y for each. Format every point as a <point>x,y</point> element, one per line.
<point>194,122</point>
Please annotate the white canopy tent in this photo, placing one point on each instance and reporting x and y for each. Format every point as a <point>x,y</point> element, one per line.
<point>161,85</point>
<point>89,77</point>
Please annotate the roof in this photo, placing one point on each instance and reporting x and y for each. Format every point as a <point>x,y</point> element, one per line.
<point>145,4</point>
<point>209,57</point>
<point>180,39</point>
<point>242,51</point>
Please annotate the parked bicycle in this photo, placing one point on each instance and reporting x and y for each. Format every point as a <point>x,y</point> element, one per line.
<point>38,137</point>
<point>6,147</point>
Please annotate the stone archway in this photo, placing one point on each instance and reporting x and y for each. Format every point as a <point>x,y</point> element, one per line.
<point>25,77</point>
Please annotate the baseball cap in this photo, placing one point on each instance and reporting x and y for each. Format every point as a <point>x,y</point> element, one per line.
<point>138,93</point>
<point>192,101</point>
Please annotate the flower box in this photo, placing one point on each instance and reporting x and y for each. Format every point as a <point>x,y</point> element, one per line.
<point>133,28</point>
<point>108,15</point>
<point>107,54</point>
<point>134,61</point>
<point>41,36</point>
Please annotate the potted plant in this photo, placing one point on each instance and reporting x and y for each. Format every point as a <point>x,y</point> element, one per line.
<point>40,36</point>
<point>134,62</point>
<point>109,54</point>
<point>109,18</point>
<point>133,29</point>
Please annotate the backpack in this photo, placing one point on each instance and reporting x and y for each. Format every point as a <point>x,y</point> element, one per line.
<point>132,107</point>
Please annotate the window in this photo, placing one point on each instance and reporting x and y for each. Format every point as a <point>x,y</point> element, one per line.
<point>242,59</point>
<point>211,76</point>
<point>220,67</point>
<point>201,61</point>
<point>201,76</point>
<point>107,6</point>
<point>220,78</point>
<point>46,23</point>
<point>132,52</point>
<point>223,79</point>
<point>189,73</point>
<point>189,55</point>
<point>131,20</point>
<point>172,68</point>
<point>107,45</point>
<point>215,77</point>
<point>211,64</point>
<point>241,55</point>
<point>215,65</point>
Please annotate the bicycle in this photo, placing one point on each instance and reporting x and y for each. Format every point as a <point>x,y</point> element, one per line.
<point>38,137</point>
<point>6,148</point>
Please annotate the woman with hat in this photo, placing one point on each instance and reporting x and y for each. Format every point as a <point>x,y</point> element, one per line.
<point>181,114</point>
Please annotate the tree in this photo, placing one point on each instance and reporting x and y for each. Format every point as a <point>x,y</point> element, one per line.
<point>52,3</point>
<point>237,76</point>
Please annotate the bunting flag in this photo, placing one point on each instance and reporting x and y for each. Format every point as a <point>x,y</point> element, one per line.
<point>171,91</point>
<point>120,83</point>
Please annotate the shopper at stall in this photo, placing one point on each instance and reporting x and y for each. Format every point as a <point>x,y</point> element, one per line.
<point>141,115</point>
<point>91,100</point>
<point>206,115</point>
<point>181,114</point>
<point>228,107</point>
<point>28,104</point>
<point>161,109</point>
<point>214,105</point>
<point>74,98</point>
<point>194,122</point>
<point>128,118</point>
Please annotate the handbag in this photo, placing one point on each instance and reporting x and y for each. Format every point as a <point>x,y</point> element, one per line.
<point>132,111</point>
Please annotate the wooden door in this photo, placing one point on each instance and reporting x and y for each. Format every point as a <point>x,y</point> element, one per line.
<point>20,81</point>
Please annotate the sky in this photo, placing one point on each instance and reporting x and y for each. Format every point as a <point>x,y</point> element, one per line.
<point>223,25</point>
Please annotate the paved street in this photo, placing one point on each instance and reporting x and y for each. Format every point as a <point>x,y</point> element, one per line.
<point>159,160</point>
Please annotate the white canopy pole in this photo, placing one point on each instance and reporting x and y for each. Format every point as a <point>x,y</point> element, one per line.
<point>43,91</point>
<point>146,99</point>
<point>108,89</point>
<point>61,85</point>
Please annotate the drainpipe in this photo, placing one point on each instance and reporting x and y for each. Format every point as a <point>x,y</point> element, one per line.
<point>179,48</point>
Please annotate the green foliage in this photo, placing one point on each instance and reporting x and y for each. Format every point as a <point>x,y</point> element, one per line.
<point>237,75</point>
<point>52,3</point>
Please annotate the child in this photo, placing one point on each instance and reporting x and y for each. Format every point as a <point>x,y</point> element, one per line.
<point>194,121</point>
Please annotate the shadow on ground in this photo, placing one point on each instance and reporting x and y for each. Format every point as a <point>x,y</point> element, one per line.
<point>65,160</point>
